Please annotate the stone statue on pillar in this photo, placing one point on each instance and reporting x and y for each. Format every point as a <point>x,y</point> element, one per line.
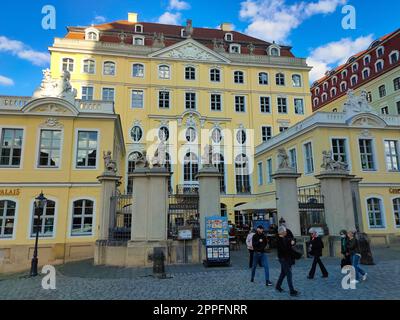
<point>110,165</point>
<point>329,164</point>
<point>284,161</point>
<point>142,161</point>
<point>207,156</point>
<point>160,158</point>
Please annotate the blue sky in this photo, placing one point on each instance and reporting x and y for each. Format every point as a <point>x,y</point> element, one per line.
<point>313,28</point>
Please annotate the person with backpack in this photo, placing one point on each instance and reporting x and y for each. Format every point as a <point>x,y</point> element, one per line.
<point>259,243</point>
<point>249,243</point>
<point>316,246</point>
<point>355,254</point>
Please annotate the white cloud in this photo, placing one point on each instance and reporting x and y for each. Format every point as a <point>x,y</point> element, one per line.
<point>335,53</point>
<point>99,19</point>
<point>23,51</point>
<point>170,18</point>
<point>4,81</point>
<point>178,5</point>
<point>274,20</point>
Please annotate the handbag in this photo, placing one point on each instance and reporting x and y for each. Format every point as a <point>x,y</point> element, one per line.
<point>296,253</point>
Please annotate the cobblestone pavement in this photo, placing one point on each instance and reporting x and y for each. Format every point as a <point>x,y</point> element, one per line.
<point>83,281</point>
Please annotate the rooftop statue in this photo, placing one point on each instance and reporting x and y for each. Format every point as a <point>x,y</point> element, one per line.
<point>56,88</point>
<point>356,104</point>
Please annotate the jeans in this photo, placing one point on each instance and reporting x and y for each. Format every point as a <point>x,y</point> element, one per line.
<point>355,261</point>
<point>251,257</point>
<point>317,260</point>
<point>260,257</point>
<point>286,271</point>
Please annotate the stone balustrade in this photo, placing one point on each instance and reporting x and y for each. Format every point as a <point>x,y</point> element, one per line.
<point>13,102</point>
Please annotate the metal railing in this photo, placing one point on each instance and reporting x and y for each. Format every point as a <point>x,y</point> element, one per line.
<point>121,218</point>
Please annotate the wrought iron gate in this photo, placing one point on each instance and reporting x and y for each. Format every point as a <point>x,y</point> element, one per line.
<point>121,218</point>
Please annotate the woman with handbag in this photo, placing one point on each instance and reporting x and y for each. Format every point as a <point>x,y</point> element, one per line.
<point>316,246</point>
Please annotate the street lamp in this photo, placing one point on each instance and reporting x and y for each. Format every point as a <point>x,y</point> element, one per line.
<point>40,203</point>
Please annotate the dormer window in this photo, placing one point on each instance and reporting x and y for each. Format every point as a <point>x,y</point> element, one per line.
<point>380,51</point>
<point>344,73</point>
<point>354,80</point>
<point>92,34</point>
<point>333,92</point>
<point>274,51</point>
<point>138,41</point>
<point>367,60</point>
<point>317,91</point>
<point>334,81</point>
<point>354,67</point>
<point>229,37</point>
<point>234,48</point>
<point>138,28</point>
<point>325,86</point>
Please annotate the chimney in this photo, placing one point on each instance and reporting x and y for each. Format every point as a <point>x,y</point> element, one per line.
<point>226,26</point>
<point>132,17</point>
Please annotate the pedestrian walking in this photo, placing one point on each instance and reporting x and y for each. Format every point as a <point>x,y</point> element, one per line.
<point>249,243</point>
<point>355,254</point>
<point>346,261</point>
<point>315,249</point>
<point>259,243</point>
<point>285,257</point>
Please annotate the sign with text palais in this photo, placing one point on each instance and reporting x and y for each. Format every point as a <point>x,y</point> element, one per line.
<point>217,241</point>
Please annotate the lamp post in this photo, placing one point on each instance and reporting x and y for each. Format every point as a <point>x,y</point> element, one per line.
<point>40,203</point>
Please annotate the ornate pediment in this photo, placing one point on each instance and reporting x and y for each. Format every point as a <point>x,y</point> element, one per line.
<point>367,120</point>
<point>190,50</point>
<point>51,107</point>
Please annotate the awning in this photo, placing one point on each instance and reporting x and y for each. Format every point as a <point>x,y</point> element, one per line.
<point>257,205</point>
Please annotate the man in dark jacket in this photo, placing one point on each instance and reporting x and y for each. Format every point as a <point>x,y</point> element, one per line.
<point>259,242</point>
<point>355,254</point>
<point>316,246</point>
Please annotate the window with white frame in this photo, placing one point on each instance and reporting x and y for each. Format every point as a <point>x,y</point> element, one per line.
<point>283,128</point>
<point>138,70</point>
<point>190,100</point>
<point>293,158</point>
<point>398,107</point>
<point>242,173</point>
<point>296,80</point>
<point>366,72</point>
<point>190,168</point>
<point>92,36</point>
<point>68,64</point>
<point>87,93</point>
<point>396,84</point>
<point>163,134</point>
<point>138,28</point>
<point>380,51</point>
<point>164,99</point>
<point>316,102</point>
<point>164,72</point>
<point>266,133</point>
<point>45,223</point>
<point>385,110</point>
<point>109,68</point>
<point>280,79</point>
<point>234,48</point>
<point>263,78</point>
<point>392,155</point>
<point>317,90</point>
<point>50,149</point>
<point>298,106</point>
<point>7,218</point>
<point>382,91</point>
<point>11,147</point>
<point>216,102</point>
<point>132,159</point>
<point>240,103</point>
<point>396,211</point>
<point>82,218</point>
<point>339,150</point>
<point>137,99</point>
<point>325,86</point>
<point>374,209</point>
<point>308,158</point>
<point>369,96</point>
<point>86,155</point>
<point>265,104</point>
<point>89,66</point>
<point>138,41</point>
<point>394,57</point>
<point>275,52</point>
<point>367,60</point>
<point>228,37</point>
<point>219,163</point>
<point>282,105</point>
<point>238,77</point>
<point>216,135</point>
<point>343,86</point>
<point>344,74</point>
<point>108,94</point>
<point>379,66</point>
<point>136,133</point>
<point>333,92</point>
<point>241,136</point>
<point>191,134</point>
<point>354,80</point>
<point>354,67</point>
<point>269,171</point>
<point>215,75</point>
<point>367,154</point>
<point>334,81</point>
<point>190,73</point>
<point>260,173</point>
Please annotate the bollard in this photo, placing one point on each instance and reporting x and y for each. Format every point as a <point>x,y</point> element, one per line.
<point>159,263</point>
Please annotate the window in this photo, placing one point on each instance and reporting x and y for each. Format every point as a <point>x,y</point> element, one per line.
<point>354,67</point>
<point>333,92</point>
<point>87,149</point>
<point>163,134</point>
<point>354,80</point>
<point>215,75</point>
<point>308,158</point>
<point>190,168</point>
<point>190,73</point>
<point>238,77</point>
<point>108,94</point>
<point>82,218</point>
<point>11,147</point>
<point>366,154</point>
<point>366,73</point>
<point>317,91</point>
<point>138,28</point>
<point>44,224</point>
<point>334,81</point>
<point>282,105</point>
<point>92,36</point>
<point>275,52</point>
<point>269,171</point>
<point>133,157</point>
<point>228,37</point>
<point>241,136</point>
<point>216,102</point>
<point>138,70</point>
<point>89,66</point>
<point>343,86</point>
<point>263,78</point>
<point>87,93</point>
<point>296,79</point>
<point>398,107</point>
<point>218,162</point>
<point>385,110</point>
<point>109,68</point>
<point>50,148</point>
<point>191,134</point>
<point>265,105</point>
<point>224,212</point>
<point>298,106</point>
<point>242,174</point>
<point>396,84</point>
<point>137,99</point>
<point>163,99</point>
<point>68,64</point>
<point>138,41</point>
<point>266,133</point>
<point>325,86</point>
<point>190,100</point>
<point>316,101</point>
<point>382,91</point>
<point>394,57</point>
<point>379,66</point>
<point>283,128</point>
<point>374,208</point>
<point>260,173</point>
<point>240,104</point>
<point>164,72</point>
<point>280,79</point>
<point>344,74</point>
<point>335,110</point>
<point>339,147</point>
<point>7,218</point>
<point>136,133</point>
<point>293,158</point>
<point>234,48</point>
<point>392,155</point>
<point>380,51</point>
<point>396,210</point>
<point>367,60</point>
<point>216,135</point>
<point>369,96</point>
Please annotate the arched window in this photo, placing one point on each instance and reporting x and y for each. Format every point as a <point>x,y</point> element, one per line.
<point>367,60</point>
<point>324,97</point>
<point>138,28</point>
<point>374,209</point>
<point>109,68</point>
<point>394,57</point>
<point>354,67</point>
<point>274,51</point>
<point>163,134</point>
<point>138,70</point>
<point>242,173</point>
<point>325,86</point>
<point>89,66</point>
<point>334,80</point>
<point>218,162</point>
<point>396,211</point>
<point>241,136</point>
<point>224,212</point>
<point>280,79</point>
<point>343,86</point>
<point>379,65</point>
<point>263,78</point>
<point>7,218</point>
<point>380,51</point>
<point>190,168</point>
<point>316,101</point>
<point>45,224</point>
<point>92,34</point>
<point>190,73</point>
<point>138,41</point>
<point>215,75</point>
<point>68,64</point>
<point>354,80</point>
<point>317,91</point>
<point>191,134</point>
<point>82,218</point>
<point>366,73</point>
<point>296,79</point>
<point>344,74</point>
<point>238,77</point>
<point>216,135</point>
<point>333,92</point>
<point>164,72</point>
<point>133,157</point>
<point>136,133</point>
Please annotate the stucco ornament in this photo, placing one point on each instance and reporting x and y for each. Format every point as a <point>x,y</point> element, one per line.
<point>283,159</point>
<point>356,104</point>
<point>160,158</point>
<point>189,52</point>
<point>110,165</point>
<point>329,164</point>
<point>56,88</point>
<point>207,158</point>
